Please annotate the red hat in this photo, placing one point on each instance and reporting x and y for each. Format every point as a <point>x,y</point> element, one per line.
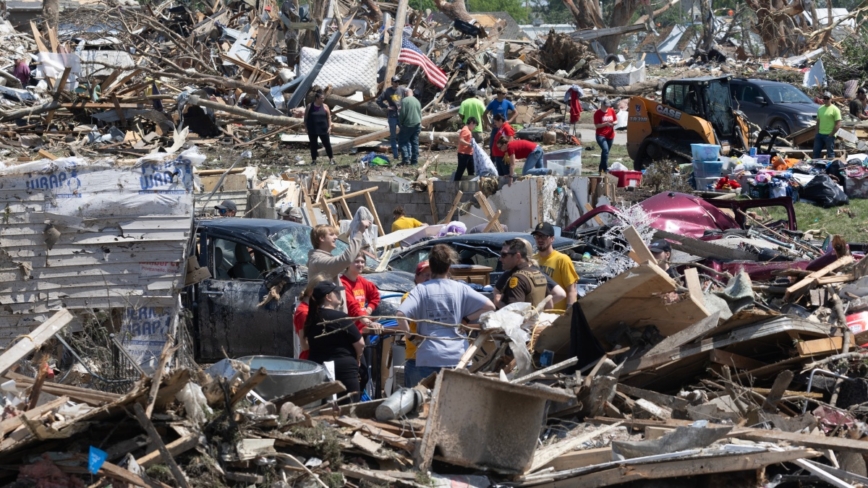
<point>421,267</point>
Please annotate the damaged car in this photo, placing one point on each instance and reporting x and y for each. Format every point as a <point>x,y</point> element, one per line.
<point>231,315</point>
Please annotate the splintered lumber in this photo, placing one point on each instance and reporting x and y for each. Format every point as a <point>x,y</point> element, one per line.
<point>811,279</point>
<point>547,454</point>
<point>13,423</point>
<point>175,448</point>
<point>78,394</point>
<point>643,254</point>
<point>376,433</point>
<point>777,391</point>
<point>167,352</point>
<point>30,342</point>
<point>636,298</point>
<point>248,386</point>
<point>695,331</point>
<point>376,136</point>
<point>158,441</point>
<point>114,472</point>
<point>397,40</point>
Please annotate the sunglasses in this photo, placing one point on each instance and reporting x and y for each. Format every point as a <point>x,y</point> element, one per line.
<point>506,254</point>
<point>222,211</point>
<point>826,98</point>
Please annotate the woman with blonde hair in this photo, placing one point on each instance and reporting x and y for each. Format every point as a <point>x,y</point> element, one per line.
<point>320,260</point>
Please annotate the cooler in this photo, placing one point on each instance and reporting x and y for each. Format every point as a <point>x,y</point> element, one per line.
<point>628,179</point>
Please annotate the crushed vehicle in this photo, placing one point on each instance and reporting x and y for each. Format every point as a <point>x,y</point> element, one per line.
<point>239,253</point>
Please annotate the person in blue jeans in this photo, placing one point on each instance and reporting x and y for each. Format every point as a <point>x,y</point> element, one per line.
<point>828,123</point>
<point>604,122</point>
<point>390,99</point>
<point>499,106</point>
<point>531,152</point>
<point>409,127</point>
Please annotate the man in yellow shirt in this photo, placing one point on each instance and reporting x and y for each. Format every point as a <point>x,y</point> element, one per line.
<point>555,264</point>
<point>828,123</point>
<point>411,375</point>
<point>402,222</point>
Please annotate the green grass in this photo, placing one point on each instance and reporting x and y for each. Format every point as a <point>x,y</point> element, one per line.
<point>849,221</point>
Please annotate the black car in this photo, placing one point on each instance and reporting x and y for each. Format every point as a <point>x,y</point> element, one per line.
<point>239,253</point>
<point>773,105</point>
<point>481,249</point>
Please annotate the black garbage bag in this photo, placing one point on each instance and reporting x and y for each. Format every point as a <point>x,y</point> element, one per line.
<point>824,192</point>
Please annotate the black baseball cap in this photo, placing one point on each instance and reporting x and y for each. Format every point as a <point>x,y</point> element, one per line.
<point>544,228</point>
<point>227,205</point>
<point>660,245</point>
<point>396,78</point>
<point>323,289</point>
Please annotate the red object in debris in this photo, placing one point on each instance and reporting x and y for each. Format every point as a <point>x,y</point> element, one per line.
<point>858,324</point>
<point>628,178</point>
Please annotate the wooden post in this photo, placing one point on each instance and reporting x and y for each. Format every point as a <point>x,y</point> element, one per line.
<point>158,441</point>
<point>431,201</point>
<point>454,206</point>
<point>488,211</point>
<point>373,210</point>
<point>397,38</point>
<point>167,352</point>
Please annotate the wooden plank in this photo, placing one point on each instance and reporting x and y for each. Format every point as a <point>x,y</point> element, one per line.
<point>691,277</point>
<point>734,360</point>
<point>811,279</point>
<point>42,152</point>
<point>690,334</point>
<point>13,423</point>
<point>704,249</point>
<point>248,386</point>
<point>121,82</point>
<point>40,44</point>
<point>35,339</point>
<point>667,401</point>
<point>352,195</point>
<point>828,345</point>
<point>56,96</point>
<point>165,354</point>
<point>397,38</point>
<point>376,432</point>
<point>156,439</point>
<point>547,454</point>
<point>777,391</point>
<point>455,202</point>
<point>488,211</point>
<point>580,459</point>
<point>434,215</point>
<point>373,209</point>
<point>643,254</point>
<point>176,447</point>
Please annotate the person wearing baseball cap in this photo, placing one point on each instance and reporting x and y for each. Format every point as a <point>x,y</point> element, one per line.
<point>662,251</point>
<point>499,106</point>
<point>332,335</point>
<point>555,264</point>
<point>227,208</point>
<point>295,215</point>
<point>858,104</point>
<point>412,377</point>
<point>828,122</point>
<point>390,99</point>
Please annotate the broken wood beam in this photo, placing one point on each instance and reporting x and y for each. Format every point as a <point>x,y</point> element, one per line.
<point>32,341</point>
<point>146,424</point>
<point>176,447</point>
<point>248,386</point>
<point>312,394</point>
<point>811,279</point>
<point>382,134</point>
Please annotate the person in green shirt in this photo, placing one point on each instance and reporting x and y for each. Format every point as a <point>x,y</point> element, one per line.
<point>409,126</point>
<point>828,123</point>
<point>472,108</point>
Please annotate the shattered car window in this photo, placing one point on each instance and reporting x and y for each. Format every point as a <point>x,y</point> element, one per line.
<point>720,108</point>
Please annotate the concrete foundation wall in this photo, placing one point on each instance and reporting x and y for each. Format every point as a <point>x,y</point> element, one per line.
<point>416,204</point>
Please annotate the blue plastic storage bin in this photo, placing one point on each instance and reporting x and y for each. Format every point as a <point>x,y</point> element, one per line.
<point>705,152</point>
<point>707,169</point>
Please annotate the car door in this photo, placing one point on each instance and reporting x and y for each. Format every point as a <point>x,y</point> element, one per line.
<point>746,97</point>
<point>229,316</point>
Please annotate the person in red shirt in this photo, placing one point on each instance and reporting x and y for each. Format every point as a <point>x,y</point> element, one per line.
<point>504,130</point>
<point>604,121</point>
<point>299,317</point>
<point>362,295</point>
<point>465,149</point>
<point>531,152</point>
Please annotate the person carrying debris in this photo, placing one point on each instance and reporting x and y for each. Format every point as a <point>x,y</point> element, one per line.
<point>402,222</point>
<point>604,121</point>
<point>858,105</point>
<point>828,122</point>
<point>332,336</point>
<point>472,108</point>
<point>555,264</point>
<point>465,149</point>
<point>504,131</point>
<point>390,99</point>
<point>409,127</point>
<point>531,152</point>
<point>324,239</point>
<point>520,282</point>
<point>227,208</point>
<point>438,306</point>
<point>411,374</point>
<point>499,106</point>
<point>318,122</point>
<point>662,252</point>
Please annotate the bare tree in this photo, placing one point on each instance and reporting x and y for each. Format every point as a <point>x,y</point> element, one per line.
<point>51,12</point>
<point>776,21</point>
<point>587,15</point>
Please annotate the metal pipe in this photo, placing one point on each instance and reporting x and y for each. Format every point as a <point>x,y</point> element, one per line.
<point>825,372</point>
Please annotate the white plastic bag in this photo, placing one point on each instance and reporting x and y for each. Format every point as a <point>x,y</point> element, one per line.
<point>616,166</point>
<point>195,403</point>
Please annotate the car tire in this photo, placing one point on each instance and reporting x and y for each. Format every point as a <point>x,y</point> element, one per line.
<point>780,124</point>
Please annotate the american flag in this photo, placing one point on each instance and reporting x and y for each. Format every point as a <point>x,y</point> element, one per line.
<point>411,54</point>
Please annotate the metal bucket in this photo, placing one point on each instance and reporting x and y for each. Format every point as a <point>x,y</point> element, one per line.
<point>285,375</point>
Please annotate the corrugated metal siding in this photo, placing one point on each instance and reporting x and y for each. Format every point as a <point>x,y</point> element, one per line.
<point>123,233</point>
